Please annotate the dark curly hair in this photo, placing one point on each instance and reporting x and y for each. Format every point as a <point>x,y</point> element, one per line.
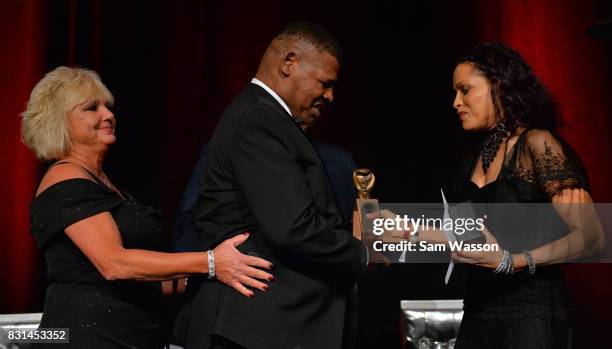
<point>517,93</point>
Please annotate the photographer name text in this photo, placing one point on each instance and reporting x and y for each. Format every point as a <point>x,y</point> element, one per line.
<point>424,246</point>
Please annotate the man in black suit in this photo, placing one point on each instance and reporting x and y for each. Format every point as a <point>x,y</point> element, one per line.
<point>339,166</point>
<point>264,176</point>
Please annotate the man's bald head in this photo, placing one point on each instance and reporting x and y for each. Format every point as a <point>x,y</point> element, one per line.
<point>301,65</point>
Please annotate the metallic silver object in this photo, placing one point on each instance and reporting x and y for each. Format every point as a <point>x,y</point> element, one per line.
<point>530,262</point>
<point>431,324</point>
<point>211,264</point>
<point>16,322</point>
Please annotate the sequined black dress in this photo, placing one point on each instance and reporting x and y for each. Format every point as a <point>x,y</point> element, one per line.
<point>99,313</point>
<point>521,311</point>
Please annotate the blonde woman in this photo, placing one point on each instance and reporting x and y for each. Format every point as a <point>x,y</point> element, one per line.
<point>102,245</point>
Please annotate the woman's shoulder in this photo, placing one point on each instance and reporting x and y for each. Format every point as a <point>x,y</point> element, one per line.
<point>64,198</point>
<point>67,186</point>
<point>538,137</point>
<point>537,143</point>
<point>65,173</point>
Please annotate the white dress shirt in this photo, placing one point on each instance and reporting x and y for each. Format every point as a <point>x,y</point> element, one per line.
<point>272,93</point>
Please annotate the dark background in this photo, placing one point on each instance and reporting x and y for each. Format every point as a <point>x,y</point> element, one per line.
<point>174,65</point>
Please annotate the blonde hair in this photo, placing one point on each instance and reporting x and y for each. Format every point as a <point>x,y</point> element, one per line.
<point>44,126</point>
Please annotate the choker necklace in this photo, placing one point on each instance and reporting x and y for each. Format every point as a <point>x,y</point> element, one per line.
<point>491,143</point>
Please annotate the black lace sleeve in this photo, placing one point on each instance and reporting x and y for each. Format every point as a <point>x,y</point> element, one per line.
<point>548,163</point>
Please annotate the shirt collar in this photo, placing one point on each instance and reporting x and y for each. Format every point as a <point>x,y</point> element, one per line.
<point>272,93</point>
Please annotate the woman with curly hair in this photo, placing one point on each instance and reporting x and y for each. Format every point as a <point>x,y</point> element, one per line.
<point>516,297</point>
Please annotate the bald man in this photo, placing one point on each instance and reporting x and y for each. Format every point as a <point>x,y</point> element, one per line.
<point>264,176</point>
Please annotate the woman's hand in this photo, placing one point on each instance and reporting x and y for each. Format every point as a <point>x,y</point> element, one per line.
<point>239,270</point>
<point>486,259</point>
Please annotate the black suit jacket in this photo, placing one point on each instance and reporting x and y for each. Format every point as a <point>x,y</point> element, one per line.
<point>264,176</point>
<point>339,166</point>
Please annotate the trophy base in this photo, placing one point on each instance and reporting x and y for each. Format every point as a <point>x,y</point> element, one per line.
<point>361,223</point>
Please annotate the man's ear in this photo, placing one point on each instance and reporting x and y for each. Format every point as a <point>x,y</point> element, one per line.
<point>288,63</point>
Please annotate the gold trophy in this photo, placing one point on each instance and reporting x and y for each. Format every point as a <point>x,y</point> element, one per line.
<point>363,179</point>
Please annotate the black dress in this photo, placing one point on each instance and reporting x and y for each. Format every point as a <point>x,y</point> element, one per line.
<point>99,313</point>
<point>521,311</point>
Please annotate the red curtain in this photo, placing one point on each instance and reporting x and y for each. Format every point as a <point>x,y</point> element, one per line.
<point>22,43</point>
<point>209,43</point>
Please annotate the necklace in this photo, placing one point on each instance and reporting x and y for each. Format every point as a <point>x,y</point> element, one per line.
<point>102,176</point>
<point>491,143</point>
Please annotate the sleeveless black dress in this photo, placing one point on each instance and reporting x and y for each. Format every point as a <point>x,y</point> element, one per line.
<point>520,311</point>
<point>99,313</point>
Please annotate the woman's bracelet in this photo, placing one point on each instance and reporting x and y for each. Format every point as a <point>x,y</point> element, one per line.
<point>211,264</point>
<point>530,262</point>
<point>505,265</point>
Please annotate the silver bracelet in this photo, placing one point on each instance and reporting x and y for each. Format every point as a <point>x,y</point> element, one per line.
<point>505,266</point>
<point>530,262</point>
<point>501,266</point>
<point>211,264</point>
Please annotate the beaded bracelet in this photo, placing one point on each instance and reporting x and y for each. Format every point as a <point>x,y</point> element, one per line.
<point>211,264</point>
<point>530,262</point>
<point>505,265</point>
